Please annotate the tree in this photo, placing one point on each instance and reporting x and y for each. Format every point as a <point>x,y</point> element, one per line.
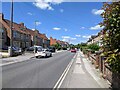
<point>93,47</point>
<point>111,40</point>
<point>57,46</point>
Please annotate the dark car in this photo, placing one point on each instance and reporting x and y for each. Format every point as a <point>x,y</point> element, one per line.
<point>64,48</point>
<point>30,49</point>
<point>52,49</point>
<point>16,51</point>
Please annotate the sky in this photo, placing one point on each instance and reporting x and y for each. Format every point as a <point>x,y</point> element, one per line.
<point>73,22</point>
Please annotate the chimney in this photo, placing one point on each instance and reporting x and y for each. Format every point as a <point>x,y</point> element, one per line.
<point>22,24</point>
<point>44,34</point>
<point>36,31</point>
<point>1,16</point>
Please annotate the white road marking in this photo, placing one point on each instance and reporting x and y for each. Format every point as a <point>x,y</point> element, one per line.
<point>62,77</point>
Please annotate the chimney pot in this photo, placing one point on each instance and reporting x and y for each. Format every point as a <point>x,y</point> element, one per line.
<point>1,15</point>
<point>22,24</point>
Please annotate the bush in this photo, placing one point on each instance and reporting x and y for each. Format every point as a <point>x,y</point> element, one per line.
<point>93,47</point>
<point>84,51</point>
<point>111,31</point>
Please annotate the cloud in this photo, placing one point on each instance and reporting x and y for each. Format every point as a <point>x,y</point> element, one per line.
<point>46,4</point>
<point>97,12</point>
<point>65,29</point>
<point>78,35</point>
<point>82,27</point>
<point>29,13</point>
<point>68,38</point>
<point>33,29</point>
<point>38,23</point>
<point>56,28</point>
<point>73,38</point>
<point>61,10</point>
<point>97,27</point>
<point>65,37</point>
<point>88,36</point>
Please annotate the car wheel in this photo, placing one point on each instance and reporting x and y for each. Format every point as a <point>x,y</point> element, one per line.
<point>45,55</point>
<point>51,55</point>
<point>36,56</point>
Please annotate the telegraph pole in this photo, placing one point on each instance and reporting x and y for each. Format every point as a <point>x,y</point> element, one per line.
<point>11,27</point>
<point>35,35</point>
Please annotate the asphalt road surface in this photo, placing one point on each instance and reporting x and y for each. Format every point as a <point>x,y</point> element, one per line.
<point>36,73</point>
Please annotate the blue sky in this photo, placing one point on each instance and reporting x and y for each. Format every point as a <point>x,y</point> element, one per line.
<point>74,22</point>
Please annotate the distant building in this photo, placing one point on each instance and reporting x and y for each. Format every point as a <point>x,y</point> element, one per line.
<point>62,43</point>
<point>52,41</point>
<point>45,40</point>
<point>96,39</point>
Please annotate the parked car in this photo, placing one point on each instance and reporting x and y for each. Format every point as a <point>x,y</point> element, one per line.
<point>43,53</point>
<point>30,48</point>
<point>33,48</point>
<point>64,48</point>
<point>16,50</point>
<point>52,49</point>
<point>73,50</point>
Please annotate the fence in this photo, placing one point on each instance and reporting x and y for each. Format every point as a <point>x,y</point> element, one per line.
<point>99,62</point>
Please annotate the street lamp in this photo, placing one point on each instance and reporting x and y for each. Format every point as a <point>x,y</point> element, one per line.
<point>11,31</point>
<point>35,34</point>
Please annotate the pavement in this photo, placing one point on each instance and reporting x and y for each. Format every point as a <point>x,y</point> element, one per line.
<point>83,74</point>
<point>36,73</point>
<point>20,58</point>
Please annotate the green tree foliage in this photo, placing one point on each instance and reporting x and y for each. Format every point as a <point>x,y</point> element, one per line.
<point>57,46</point>
<point>111,32</point>
<point>93,47</point>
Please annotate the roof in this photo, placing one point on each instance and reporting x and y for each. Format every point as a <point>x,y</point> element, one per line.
<point>16,27</point>
<point>43,36</point>
<point>1,25</point>
<point>21,28</point>
<point>30,31</point>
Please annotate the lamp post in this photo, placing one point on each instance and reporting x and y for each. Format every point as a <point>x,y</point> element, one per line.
<point>11,31</point>
<point>35,32</point>
<point>35,35</point>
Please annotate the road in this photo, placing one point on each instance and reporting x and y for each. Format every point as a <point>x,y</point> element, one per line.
<point>36,73</point>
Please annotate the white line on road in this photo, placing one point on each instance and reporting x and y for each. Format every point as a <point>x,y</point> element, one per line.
<point>62,77</point>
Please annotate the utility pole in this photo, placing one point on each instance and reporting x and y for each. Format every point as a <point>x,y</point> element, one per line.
<point>11,31</point>
<point>35,25</point>
<point>35,35</point>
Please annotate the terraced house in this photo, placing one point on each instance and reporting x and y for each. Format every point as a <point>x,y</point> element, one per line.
<point>45,40</point>
<point>3,37</point>
<point>62,43</point>
<point>96,39</point>
<point>35,38</point>
<point>38,39</point>
<point>23,37</point>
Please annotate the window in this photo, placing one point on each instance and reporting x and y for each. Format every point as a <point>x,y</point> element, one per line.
<point>14,34</point>
<point>1,30</point>
<point>1,33</point>
<point>22,36</point>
